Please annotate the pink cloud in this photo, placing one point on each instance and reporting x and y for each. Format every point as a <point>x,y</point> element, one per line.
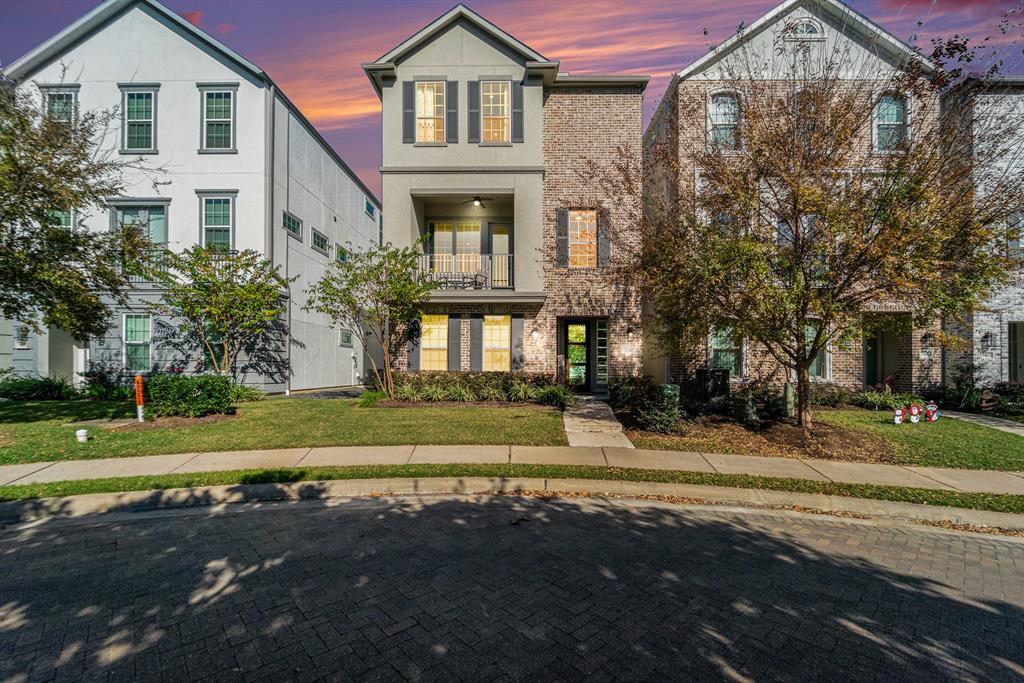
<point>225,28</point>
<point>193,17</point>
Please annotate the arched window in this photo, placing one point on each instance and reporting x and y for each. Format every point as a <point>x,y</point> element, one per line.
<point>890,122</point>
<point>806,29</point>
<point>725,121</point>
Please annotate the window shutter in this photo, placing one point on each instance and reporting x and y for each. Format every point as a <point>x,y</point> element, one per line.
<point>518,357</point>
<point>562,238</point>
<point>476,342</point>
<point>414,355</point>
<point>517,112</point>
<point>604,238</point>
<point>474,112</point>
<point>454,340</point>
<point>451,100</point>
<point>408,111</point>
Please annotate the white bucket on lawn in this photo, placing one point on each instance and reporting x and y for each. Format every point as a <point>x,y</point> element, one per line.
<point>82,435</point>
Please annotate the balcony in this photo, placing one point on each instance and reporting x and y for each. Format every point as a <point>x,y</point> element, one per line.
<point>468,271</point>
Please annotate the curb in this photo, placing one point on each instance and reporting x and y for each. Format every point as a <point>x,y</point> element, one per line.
<point>34,510</point>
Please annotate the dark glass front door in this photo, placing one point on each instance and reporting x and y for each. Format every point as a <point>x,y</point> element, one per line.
<point>577,355</point>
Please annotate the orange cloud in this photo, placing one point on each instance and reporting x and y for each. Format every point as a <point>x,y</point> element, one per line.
<point>225,28</point>
<point>193,17</point>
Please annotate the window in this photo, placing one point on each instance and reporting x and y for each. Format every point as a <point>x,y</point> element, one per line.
<point>434,342</point>
<point>345,338</point>
<point>805,112</point>
<point>804,30</point>
<point>727,351</point>
<point>292,224</point>
<point>218,119</point>
<point>725,121</point>
<point>890,122</point>
<point>151,220</point>
<point>583,239</point>
<point>21,338</point>
<point>340,253</point>
<point>496,111</point>
<point>61,219</point>
<point>1015,238</point>
<point>819,366</point>
<point>320,242</point>
<point>370,209</point>
<point>455,246</point>
<point>217,227</point>
<point>138,120</point>
<point>137,337</point>
<point>430,111</point>
<point>60,105</point>
<point>497,343</point>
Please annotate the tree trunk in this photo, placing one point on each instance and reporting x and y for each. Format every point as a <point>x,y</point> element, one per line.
<point>388,384</point>
<point>803,396</point>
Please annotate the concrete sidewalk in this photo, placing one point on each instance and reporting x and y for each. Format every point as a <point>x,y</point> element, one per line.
<point>974,481</point>
<point>1008,426</point>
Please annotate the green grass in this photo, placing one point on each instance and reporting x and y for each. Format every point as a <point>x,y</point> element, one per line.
<point>32,431</point>
<point>976,501</point>
<point>946,443</point>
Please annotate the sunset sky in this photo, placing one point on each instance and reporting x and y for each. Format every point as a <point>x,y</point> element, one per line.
<point>313,48</point>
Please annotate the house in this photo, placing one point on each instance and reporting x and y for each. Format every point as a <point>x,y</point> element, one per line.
<point>245,170</point>
<point>493,157</point>
<point>702,106</point>
<point>995,332</point>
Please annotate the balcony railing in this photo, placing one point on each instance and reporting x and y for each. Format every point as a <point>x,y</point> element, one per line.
<point>468,271</point>
<point>156,261</point>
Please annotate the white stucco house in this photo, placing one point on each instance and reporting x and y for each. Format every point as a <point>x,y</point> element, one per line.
<point>245,170</point>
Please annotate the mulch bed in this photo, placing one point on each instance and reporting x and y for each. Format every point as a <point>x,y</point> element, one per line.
<point>783,438</point>
<point>174,423</point>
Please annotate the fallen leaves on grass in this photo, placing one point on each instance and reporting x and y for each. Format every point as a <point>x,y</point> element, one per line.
<point>174,423</point>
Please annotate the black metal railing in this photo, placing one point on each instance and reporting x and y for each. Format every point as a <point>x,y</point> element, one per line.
<point>468,271</point>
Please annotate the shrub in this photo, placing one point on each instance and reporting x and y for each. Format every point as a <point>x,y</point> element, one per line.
<point>369,399</point>
<point>241,393</point>
<point>407,392</point>
<point>830,395</point>
<point>521,390</point>
<point>460,392</point>
<point>661,417</point>
<point>36,389</point>
<point>434,391</point>
<point>107,383</point>
<point>879,400</point>
<point>628,392</point>
<point>189,395</point>
<point>555,395</point>
<point>472,386</point>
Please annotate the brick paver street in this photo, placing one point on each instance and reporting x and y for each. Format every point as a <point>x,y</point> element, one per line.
<point>504,588</point>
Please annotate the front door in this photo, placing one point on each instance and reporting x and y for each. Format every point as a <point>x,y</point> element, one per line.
<point>1016,352</point>
<point>577,355</point>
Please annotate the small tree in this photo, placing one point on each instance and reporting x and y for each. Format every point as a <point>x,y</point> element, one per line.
<point>379,295</point>
<point>226,301</point>
<point>52,168</point>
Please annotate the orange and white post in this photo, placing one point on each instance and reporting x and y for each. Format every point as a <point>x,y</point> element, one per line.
<point>139,410</point>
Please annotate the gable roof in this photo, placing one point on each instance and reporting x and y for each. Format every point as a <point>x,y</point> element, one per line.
<point>38,57</point>
<point>856,20</point>
<point>460,11</point>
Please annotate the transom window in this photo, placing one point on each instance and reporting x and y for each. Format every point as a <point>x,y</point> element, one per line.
<point>218,117</point>
<point>496,110</point>
<point>151,220</point>
<point>217,216</point>
<point>430,111</point>
<point>804,29</point>
<point>60,106</point>
<point>137,339</point>
<point>725,121</point>
<point>292,224</point>
<point>497,344</point>
<point>583,239</point>
<point>139,120</point>
<point>434,342</point>
<point>727,351</point>
<point>320,241</point>
<point>890,122</point>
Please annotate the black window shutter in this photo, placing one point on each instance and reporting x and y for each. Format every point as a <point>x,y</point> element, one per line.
<point>451,103</point>
<point>517,112</point>
<point>454,341</point>
<point>408,111</point>
<point>604,238</point>
<point>414,355</point>
<point>474,111</point>
<point>476,342</point>
<point>562,238</point>
<point>518,357</point>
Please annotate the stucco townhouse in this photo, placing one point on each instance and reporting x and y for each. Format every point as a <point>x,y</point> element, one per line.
<point>245,170</point>
<point>489,156</point>
<point>796,32</point>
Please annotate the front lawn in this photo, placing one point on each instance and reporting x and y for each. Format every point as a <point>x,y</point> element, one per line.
<point>856,435</point>
<point>33,431</point>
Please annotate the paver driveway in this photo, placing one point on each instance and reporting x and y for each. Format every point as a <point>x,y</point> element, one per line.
<point>498,588</point>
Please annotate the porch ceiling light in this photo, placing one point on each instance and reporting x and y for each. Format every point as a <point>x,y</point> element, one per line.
<point>476,201</point>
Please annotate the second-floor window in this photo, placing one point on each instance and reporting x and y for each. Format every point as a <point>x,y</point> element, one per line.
<point>320,241</point>
<point>218,120</point>
<point>890,122</point>
<point>370,209</point>
<point>152,220</point>
<point>61,218</point>
<point>138,120</point>
<point>1015,239</point>
<point>60,105</point>
<point>583,238</point>
<point>217,223</point>
<point>725,121</point>
<point>496,111</point>
<point>292,224</point>
<point>430,111</point>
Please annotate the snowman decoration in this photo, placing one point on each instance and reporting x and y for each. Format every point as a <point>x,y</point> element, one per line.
<point>915,413</point>
<point>932,412</point>
<point>898,417</point>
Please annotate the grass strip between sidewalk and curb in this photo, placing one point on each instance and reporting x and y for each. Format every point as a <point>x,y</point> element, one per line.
<point>973,501</point>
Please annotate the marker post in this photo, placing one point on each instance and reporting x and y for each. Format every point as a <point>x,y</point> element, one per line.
<point>139,410</point>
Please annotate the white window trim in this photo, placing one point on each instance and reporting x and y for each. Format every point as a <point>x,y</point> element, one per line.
<point>230,195</point>
<point>417,116</point>
<point>204,90</point>
<point>828,366</point>
<point>508,118</point>
<point>153,89</point>
<point>60,89</point>
<point>793,36</point>
<point>124,340</point>
<point>313,232</point>
<point>338,251</point>
<point>744,375</point>
<point>740,101</point>
<point>908,124</point>
<point>22,343</point>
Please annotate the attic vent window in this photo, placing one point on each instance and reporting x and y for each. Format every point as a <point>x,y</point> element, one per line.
<point>805,29</point>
